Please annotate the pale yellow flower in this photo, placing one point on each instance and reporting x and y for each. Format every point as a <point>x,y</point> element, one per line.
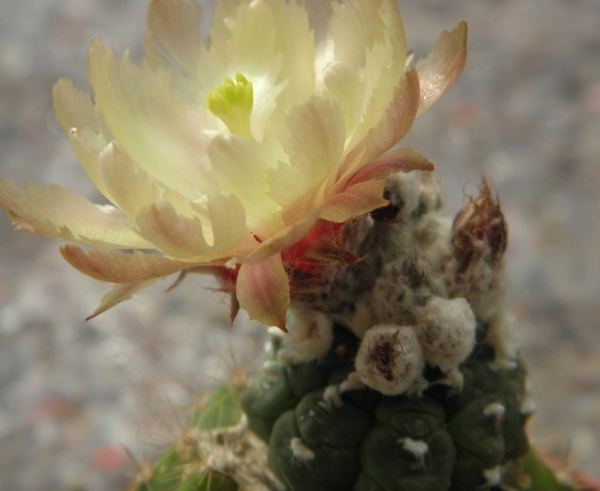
<point>227,152</point>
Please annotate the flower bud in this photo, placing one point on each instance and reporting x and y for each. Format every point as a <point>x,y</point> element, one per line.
<point>446,332</point>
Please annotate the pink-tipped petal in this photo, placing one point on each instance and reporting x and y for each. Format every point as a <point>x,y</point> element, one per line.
<point>442,67</point>
<point>400,160</point>
<point>263,290</point>
<point>397,119</point>
<point>116,267</point>
<point>390,129</point>
<point>356,200</point>
<point>118,294</point>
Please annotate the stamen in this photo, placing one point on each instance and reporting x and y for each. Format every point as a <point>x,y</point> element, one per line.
<point>232,103</point>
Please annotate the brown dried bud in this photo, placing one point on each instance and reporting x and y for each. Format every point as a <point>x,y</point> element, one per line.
<point>480,233</point>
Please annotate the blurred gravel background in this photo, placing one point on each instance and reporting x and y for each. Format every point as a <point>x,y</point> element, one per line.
<point>526,113</point>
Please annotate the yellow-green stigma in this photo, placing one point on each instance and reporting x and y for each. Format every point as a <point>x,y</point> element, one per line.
<point>232,102</point>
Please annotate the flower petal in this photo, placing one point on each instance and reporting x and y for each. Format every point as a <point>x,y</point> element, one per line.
<point>442,67</point>
<point>252,42</point>
<point>356,26</point>
<point>173,37</point>
<point>316,138</point>
<point>390,129</point>
<point>240,167</point>
<point>174,235</point>
<point>294,41</point>
<point>217,219</point>
<point>116,267</point>
<point>59,213</point>
<point>356,200</point>
<point>228,221</point>
<point>372,39</point>
<point>74,108</point>
<point>346,85</point>
<point>132,188</point>
<point>397,119</point>
<point>363,192</point>
<point>83,125</point>
<point>263,290</point>
<point>118,294</point>
<point>399,160</point>
<point>153,127</point>
<point>281,240</point>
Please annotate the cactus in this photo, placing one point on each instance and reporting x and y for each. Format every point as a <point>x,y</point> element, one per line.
<point>400,372</point>
<point>214,452</point>
<point>421,387</point>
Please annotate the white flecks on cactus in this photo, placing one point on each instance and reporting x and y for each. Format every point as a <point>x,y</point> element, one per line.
<point>528,407</point>
<point>333,396</point>
<point>352,382</point>
<point>333,393</point>
<point>495,413</point>
<point>494,409</point>
<point>270,370</point>
<point>493,476</point>
<point>418,448</point>
<point>301,451</point>
<point>390,359</point>
<point>446,330</point>
<point>453,378</point>
<point>503,336</point>
<point>309,335</point>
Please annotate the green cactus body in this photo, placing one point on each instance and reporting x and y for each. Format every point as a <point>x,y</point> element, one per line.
<point>435,442</point>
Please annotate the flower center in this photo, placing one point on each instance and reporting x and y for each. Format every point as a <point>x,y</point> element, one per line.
<point>232,102</point>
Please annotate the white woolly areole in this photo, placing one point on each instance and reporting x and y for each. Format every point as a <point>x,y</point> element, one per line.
<point>390,359</point>
<point>494,409</point>
<point>447,332</point>
<point>418,448</point>
<point>403,190</point>
<point>352,382</point>
<point>333,393</point>
<point>301,451</point>
<point>310,334</point>
<point>333,396</point>
<point>502,335</point>
<point>528,407</point>
<point>493,476</point>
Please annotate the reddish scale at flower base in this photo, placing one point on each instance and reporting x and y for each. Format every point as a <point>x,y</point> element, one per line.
<point>318,249</point>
